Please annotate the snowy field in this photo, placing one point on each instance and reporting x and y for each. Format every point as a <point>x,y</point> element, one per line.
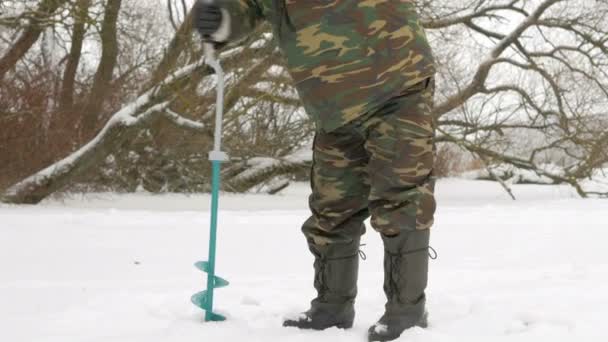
<point>119,268</point>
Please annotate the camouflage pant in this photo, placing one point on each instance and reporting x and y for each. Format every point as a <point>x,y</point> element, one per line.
<point>380,165</point>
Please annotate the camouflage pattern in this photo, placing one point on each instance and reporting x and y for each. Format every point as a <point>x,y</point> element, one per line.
<point>380,165</point>
<point>346,57</point>
<point>364,71</point>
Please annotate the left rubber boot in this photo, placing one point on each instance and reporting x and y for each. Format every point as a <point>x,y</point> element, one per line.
<point>406,258</point>
<point>336,270</point>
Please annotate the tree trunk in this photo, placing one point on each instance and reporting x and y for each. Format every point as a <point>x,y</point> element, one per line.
<point>29,36</point>
<point>66,99</point>
<point>103,76</point>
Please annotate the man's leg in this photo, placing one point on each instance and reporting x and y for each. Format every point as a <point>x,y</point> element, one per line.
<point>339,205</point>
<point>402,204</point>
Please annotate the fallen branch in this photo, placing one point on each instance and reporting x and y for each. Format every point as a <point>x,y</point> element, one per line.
<point>119,129</point>
<point>256,171</point>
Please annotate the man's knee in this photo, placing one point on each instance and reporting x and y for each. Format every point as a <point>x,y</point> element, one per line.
<point>405,208</point>
<point>320,231</point>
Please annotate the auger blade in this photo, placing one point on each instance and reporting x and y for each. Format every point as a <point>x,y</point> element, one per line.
<point>202,265</point>
<point>218,282</point>
<point>200,300</point>
<point>213,317</point>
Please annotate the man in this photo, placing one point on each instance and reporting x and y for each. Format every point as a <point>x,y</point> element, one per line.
<point>364,72</point>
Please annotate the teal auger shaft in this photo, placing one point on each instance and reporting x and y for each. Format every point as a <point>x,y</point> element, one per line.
<point>204,299</point>
<point>215,189</point>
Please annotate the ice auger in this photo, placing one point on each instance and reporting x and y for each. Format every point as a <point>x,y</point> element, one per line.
<point>204,299</point>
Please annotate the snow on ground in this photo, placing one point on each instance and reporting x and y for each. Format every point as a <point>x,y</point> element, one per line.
<point>119,268</point>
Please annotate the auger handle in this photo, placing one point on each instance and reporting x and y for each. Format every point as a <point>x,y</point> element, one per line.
<point>212,61</point>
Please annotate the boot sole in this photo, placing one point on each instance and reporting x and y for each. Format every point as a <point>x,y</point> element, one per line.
<point>308,326</point>
<point>422,323</point>
<point>344,326</point>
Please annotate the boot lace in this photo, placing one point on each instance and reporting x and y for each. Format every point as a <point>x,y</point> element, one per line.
<point>321,275</point>
<point>362,254</point>
<point>395,260</point>
<point>320,278</point>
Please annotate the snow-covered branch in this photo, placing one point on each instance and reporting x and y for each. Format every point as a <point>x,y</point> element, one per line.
<point>183,122</point>
<point>255,171</point>
<point>119,128</point>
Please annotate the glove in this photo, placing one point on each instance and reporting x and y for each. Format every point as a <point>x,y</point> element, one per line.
<point>211,21</point>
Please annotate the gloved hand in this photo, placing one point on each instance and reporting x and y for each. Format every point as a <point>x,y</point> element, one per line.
<point>211,20</point>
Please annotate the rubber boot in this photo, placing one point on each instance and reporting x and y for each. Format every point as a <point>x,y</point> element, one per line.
<point>336,270</point>
<point>406,259</point>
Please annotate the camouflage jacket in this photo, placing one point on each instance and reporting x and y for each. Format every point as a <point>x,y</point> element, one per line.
<point>346,57</point>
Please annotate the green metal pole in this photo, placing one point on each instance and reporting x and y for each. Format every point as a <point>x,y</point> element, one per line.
<point>215,189</point>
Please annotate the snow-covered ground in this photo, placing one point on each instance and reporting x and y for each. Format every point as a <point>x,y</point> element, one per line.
<point>119,268</point>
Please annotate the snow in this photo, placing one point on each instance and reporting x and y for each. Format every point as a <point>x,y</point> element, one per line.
<point>109,267</point>
<point>380,328</point>
<point>512,175</point>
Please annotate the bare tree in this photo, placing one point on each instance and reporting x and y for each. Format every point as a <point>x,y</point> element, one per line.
<point>540,88</point>
<point>520,83</point>
<point>31,33</point>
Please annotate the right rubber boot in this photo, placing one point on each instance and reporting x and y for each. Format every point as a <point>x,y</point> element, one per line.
<point>406,260</point>
<point>336,269</point>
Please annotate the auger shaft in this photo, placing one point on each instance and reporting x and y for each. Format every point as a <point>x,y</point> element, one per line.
<point>215,187</point>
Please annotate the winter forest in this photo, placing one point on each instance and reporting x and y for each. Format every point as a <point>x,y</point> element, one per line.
<point>107,115</point>
<point>522,96</point>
